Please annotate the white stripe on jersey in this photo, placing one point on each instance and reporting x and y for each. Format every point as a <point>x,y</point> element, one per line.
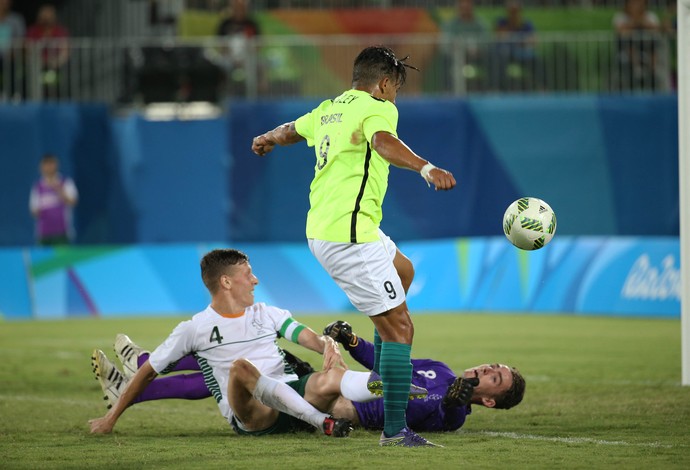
<point>217,341</point>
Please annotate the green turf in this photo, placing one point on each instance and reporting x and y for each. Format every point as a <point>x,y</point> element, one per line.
<point>601,393</point>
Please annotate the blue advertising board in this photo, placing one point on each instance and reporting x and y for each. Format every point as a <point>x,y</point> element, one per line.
<point>620,276</point>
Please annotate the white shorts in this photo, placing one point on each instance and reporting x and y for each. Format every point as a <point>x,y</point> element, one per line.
<point>364,271</point>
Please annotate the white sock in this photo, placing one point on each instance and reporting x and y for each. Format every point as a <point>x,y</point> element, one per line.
<point>280,396</point>
<point>353,386</point>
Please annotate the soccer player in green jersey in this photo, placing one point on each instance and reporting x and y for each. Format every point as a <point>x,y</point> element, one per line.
<point>355,140</point>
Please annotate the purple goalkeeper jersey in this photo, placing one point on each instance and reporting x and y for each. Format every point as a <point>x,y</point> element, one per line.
<point>54,215</point>
<point>426,414</point>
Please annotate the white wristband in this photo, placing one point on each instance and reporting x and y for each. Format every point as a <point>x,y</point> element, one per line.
<point>425,172</point>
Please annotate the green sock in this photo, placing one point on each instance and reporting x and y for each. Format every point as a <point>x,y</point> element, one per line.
<point>396,373</point>
<point>377,351</point>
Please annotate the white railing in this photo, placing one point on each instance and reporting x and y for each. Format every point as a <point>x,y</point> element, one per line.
<point>329,4</point>
<point>133,72</point>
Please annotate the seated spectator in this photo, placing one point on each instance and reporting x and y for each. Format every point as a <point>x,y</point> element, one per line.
<point>51,39</point>
<point>11,29</point>
<point>514,63</point>
<point>637,46</point>
<point>465,42</point>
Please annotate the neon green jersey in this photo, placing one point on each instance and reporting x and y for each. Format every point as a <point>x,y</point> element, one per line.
<point>350,178</point>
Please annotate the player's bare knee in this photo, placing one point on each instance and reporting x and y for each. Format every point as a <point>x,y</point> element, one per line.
<point>325,384</point>
<point>333,378</point>
<point>243,370</point>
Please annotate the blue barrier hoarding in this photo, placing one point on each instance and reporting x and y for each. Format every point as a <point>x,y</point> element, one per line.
<point>625,276</point>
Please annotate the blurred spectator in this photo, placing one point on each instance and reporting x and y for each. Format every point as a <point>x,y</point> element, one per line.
<point>669,26</point>
<point>238,27</point>
<point>669,23</point>
<point>514,64</point>
<point>51,201</point>
<point>51,39</point>
<point>465,21</point>
<point>163,17</point>
<point>238,22</point>
<point>637,46</point>
<point>466,36</point>
<point>12,28</point>
<point>11,25</point>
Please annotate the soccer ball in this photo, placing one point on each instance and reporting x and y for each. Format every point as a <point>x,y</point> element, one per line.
<point>529,223</point>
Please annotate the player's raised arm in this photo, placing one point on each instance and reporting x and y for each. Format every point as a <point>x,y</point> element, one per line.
<point>397,153</point>
<point>285,134</point>
<point>141,379</point>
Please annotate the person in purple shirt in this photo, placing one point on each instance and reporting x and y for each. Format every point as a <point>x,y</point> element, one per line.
<point>51,201</point>
<point>450,397</point>
<point>448,402</point>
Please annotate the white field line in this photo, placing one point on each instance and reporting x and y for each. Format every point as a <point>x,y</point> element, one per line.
<point>567,440</point>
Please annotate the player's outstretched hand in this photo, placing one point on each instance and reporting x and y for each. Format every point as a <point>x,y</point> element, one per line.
<point>261,145</point>
<point>331,355</point>
<point>460,391</point>
<point>441,179</point>
<point>101,425</point>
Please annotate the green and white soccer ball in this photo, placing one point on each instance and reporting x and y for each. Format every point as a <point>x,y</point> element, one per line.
<point>529,223</point>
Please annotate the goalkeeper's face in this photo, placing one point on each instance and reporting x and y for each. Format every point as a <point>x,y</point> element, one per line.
<point>494,381</point>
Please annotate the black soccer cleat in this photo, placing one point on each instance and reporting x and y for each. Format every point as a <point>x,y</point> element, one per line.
<point>339,427</point>
<point>341,332</point>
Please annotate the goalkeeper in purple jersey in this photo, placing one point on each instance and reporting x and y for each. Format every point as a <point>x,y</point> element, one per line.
<point>450,397</point>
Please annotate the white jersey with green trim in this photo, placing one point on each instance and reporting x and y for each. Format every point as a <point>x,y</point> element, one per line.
<point>217,340</point>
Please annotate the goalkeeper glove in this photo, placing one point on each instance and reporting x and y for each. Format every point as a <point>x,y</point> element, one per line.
<point>460,392</point>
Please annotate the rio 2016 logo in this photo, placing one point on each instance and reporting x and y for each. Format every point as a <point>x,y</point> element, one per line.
<point>647,282</point>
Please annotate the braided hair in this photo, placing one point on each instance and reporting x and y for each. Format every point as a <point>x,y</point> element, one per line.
<point>376,62</point>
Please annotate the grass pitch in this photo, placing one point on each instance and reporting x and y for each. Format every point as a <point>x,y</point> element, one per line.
<point>601,393</point>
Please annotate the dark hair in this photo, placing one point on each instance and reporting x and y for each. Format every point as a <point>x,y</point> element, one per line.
<point>216,263</point>
<point>514,394</point>
<point>49,157</point>
<point>377,62</point>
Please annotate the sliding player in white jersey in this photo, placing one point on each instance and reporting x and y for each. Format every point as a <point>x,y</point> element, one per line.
<point>234,341</point>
